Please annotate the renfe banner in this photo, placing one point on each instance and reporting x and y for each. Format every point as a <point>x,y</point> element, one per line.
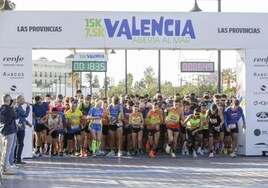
<point>133,30</point>
<point>16,79</point>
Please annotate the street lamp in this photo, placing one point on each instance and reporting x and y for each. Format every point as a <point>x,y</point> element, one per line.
<point>126,72</point>
<point>7,5</point>
<point>65,76</point>
<point>219,58</point>
<point>159,71</point>
<point>196,7</point>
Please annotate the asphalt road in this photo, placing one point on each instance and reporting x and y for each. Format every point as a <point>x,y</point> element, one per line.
<point>163,171</point>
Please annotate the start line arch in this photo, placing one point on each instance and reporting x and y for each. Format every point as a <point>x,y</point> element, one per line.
<point>22,31</point>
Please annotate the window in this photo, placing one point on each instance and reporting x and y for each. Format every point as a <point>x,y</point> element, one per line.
<point>50,74</point>
<point>41,74</point>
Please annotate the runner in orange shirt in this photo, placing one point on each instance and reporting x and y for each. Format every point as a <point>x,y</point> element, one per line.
<point>174,119</point>
<point>153,121</point>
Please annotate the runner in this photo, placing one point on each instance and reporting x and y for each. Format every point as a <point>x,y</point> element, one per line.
<point>127,128</point>
<point>186,112</point>
<point>173,120</point>
<point>231,116</point>
<point>116,128</point>
<point>73,122</point>
<point>105,127</point>
<point>215,121</point>
<point>54,123</point>
<point>40,110</point>
<point>95,117</point>
<point>153,121</point>
<point>193,125</point>
<point>137,122</point>
<point>204,135</point>
<point>84,106</point>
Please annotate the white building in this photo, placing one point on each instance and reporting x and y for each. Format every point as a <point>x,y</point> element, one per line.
<point>55,78</point>
<point>46,72</point>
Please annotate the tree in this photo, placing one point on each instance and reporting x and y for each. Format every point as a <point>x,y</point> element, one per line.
<point>228,79</point>
<point>149,77</point>
<point>75,80</point>
<point>130,79</point>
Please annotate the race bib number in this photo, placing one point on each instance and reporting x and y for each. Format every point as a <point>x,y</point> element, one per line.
<point>232,126</point>
<point>74,127</point>
<point>137,120</point>
<point>214,121</point>
<point>97,121</point>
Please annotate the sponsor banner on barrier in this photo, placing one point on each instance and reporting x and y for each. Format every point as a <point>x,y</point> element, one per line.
<point>257,95</point>
<point>16,79</point>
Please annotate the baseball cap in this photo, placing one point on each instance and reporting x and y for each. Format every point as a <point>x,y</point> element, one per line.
<point>60,96</point>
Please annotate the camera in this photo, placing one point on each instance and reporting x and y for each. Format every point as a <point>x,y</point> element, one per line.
<point>12,101</point>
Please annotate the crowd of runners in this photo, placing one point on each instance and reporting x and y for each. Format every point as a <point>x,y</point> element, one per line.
<point>133,125</point>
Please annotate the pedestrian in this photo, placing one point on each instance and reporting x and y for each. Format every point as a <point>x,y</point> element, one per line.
<point>23,114</point>
<point>8,115</point>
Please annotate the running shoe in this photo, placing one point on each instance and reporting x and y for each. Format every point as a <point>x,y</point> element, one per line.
<point>134,153</point>
<point>167,148</point>
<point>140,152</point>
<point>14,167</point>
<point>205,150</point>
<point>225,151</point>
<point>184,148</point>
<point>201,152</point>
<point>102,152</point>
<point>98,153</point>
<point>111,154</point>
<point>233,155</point>
<point>194,154</point>
<point>94,155</point>
<point>173,155</point>
<point>211,155</point>
<point>151,154</point>
<point>83,153</point>
<point>187,151</point>
<point>119,153</point>
<point>198,150</point>
<point>38,153</point>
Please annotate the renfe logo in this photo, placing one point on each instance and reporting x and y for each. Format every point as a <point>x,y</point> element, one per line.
<point>149,27</point>
<point>261,60</point>
<point>13,59</point>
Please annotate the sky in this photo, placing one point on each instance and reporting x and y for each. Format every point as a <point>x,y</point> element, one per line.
<point>138,60</point>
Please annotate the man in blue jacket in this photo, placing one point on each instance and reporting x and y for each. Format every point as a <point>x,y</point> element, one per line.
<point>8,129</point>
<point>23,114</point>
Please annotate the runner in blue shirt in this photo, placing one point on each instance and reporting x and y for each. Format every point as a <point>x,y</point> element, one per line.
<point>232,115</point>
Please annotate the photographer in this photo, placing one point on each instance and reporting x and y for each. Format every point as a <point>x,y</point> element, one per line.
<point>8,129</point>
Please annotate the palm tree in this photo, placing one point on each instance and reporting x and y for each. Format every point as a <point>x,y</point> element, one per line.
<point>228,77</point>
